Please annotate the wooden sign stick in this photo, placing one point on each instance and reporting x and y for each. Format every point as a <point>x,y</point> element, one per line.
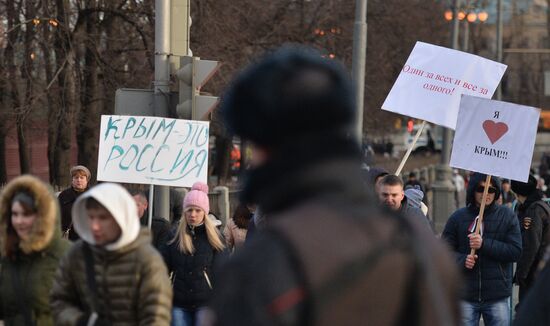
<point>482,208</point>
<point>409,150</point>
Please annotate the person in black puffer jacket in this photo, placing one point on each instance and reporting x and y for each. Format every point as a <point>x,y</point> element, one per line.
<point>488,273</point>
<point>190,256</point>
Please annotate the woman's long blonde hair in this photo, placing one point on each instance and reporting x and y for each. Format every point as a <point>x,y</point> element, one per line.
<point>185,242</point>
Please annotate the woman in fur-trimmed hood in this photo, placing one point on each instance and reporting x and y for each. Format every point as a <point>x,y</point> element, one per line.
<point>30,249</point>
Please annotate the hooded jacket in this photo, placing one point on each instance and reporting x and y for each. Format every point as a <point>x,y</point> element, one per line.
<point>26,279</point>
<point>491,277</point>
<point>133,287</point>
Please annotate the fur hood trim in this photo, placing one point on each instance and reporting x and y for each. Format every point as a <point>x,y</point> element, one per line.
<point>47,221</point>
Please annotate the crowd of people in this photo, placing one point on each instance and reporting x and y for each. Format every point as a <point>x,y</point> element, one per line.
<point>316,240</point>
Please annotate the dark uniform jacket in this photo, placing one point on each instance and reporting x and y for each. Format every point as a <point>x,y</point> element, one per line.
<point>533,217</point>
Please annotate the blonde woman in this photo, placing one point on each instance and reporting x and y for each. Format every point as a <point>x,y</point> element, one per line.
<point>190,256</point>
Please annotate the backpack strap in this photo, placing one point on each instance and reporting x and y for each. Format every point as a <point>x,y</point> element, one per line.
<point>322,291</point>
<point>90,279</point>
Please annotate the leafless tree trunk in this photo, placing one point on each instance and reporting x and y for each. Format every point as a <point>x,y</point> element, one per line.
<point>25,106</point>
<point>14,30</point>
<point>60,117</point>
<point>88,116</point>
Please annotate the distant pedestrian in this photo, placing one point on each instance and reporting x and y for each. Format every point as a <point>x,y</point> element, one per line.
<point>508,195</point>
<point>460,189</point>
<point>113,275</point>
<point>160,227</point>
<point>80,179</point>
<point>325,255</point>
<point>236,228</point>
<point>190,257</point>
<point>413,181</point>
<point>488,272</point>
<point>534,218</point>
<point>31,247</point>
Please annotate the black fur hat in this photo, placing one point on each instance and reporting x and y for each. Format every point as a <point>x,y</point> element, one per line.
<point>525,188</point>
<point>291,92</point>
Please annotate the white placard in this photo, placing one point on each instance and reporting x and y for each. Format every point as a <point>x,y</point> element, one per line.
<point>433,78</point>
<point>153,150</point>
<point>495,138</point>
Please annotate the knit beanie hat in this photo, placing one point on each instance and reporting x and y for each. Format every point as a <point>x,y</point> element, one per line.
<point>198,197</point>
<point>525,188</point>
<point>83,169</point>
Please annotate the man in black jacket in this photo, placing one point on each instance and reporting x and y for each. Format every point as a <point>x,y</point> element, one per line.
<point>533,215</point>
<point>327,255</point>
<point>488,272</point>
<point>160,228</point>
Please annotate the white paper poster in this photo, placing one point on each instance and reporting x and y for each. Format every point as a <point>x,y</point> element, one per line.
<point>153,150</point>
<point>433,78</point>
<point>495,138</point>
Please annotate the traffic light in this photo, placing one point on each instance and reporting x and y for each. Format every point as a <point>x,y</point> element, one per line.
<point>192,75</point>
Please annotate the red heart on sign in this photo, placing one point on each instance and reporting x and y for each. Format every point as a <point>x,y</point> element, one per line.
<point>494,130</point>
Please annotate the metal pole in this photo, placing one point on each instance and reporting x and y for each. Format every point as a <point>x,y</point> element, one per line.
<point>161,87</point>
<point>448,134</point>
<point>443,189</point>
<point>358,62</point>
<point>499,42</point>
<point>466,38</point>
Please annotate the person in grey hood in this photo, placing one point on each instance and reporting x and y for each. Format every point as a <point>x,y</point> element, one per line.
<point>488,272</point>
<point>112,275</point>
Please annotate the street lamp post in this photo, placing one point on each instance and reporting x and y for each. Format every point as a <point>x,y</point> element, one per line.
<point>358,63</point>
<point>443,188</point>
<point>499,42</point>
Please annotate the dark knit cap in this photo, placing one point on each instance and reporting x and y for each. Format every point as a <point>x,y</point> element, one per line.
<point>525,188</point>
<point>291,93</point>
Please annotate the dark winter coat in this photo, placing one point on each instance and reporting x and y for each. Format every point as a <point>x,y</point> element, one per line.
<point>534,309</point>
<point>319,223</point>
<point>160,230</point>
<point>491,277</point>
<point>26,279</point>
<point>191,289</point>
<point>409,209</point>
<point>533,235</point>
<point>66,200</point>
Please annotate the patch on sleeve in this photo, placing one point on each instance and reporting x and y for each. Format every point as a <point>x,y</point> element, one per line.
<point>526,223</point>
